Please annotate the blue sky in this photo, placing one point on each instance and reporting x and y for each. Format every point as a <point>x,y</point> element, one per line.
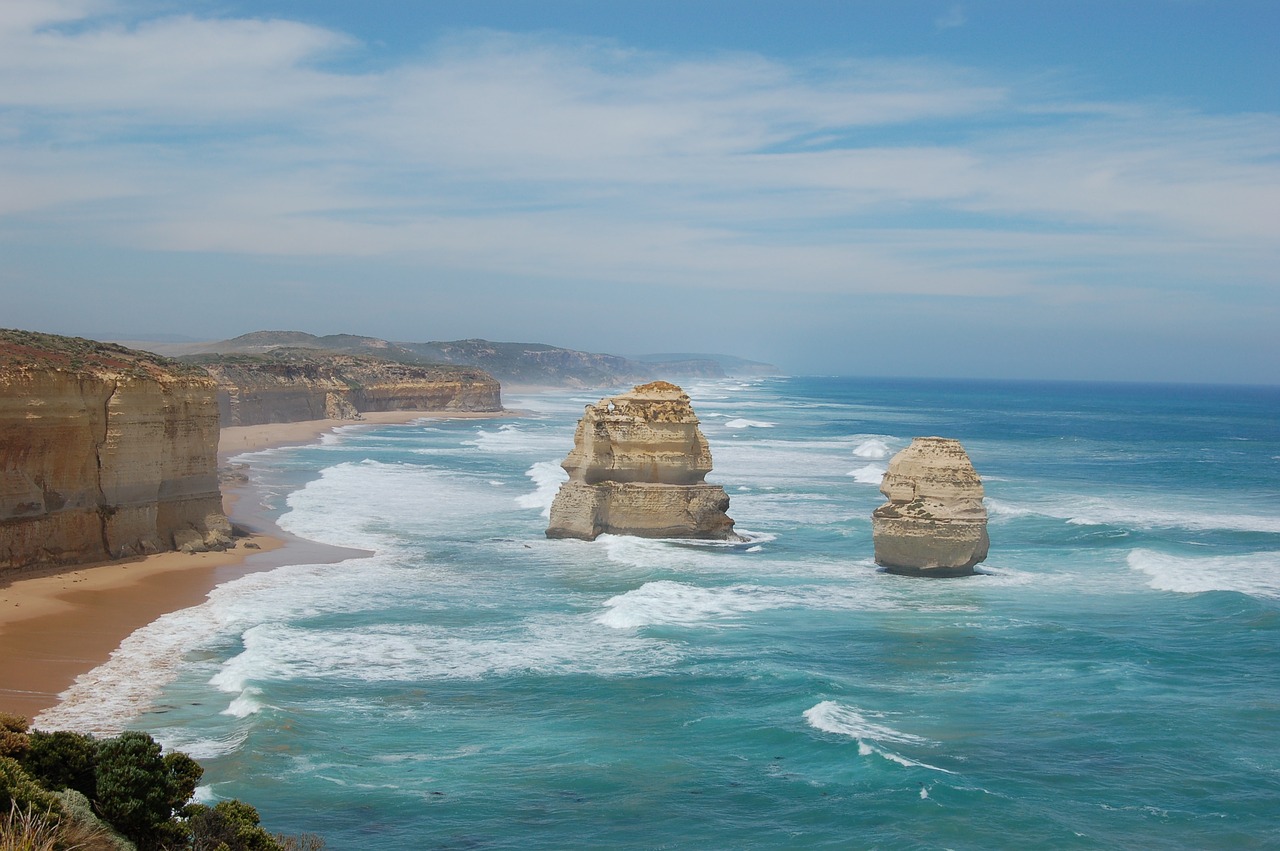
<point>986,189</point>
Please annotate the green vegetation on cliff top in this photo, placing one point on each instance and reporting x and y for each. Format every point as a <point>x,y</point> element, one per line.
<point>33,349</point>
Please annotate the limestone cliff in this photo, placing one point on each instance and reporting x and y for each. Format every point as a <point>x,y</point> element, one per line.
<point>104,452</point>
<point>637,467</point>
<point>292,385</point>
<point>934,523</point>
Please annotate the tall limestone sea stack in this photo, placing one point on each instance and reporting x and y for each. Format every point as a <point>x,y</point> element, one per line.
<point>638,467</point>
<point>105,452</point>
<point>934,523</point>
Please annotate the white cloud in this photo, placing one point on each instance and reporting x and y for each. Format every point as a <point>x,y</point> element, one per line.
<point>583,160</point>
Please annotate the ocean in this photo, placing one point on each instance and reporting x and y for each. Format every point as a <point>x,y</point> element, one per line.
<point>1111,679</point>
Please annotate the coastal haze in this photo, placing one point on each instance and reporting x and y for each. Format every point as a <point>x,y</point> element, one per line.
<point>982,189</point>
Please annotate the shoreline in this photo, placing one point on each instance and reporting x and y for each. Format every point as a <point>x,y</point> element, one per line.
<point>61,622</point>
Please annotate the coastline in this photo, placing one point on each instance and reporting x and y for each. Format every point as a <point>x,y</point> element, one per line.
<point>59,623</point>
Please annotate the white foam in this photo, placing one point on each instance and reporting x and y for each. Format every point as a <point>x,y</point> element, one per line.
<point>513,438</point>
<point>547,476</point>
<point>101,701</point>
<point>1137,512</point>
<point>874,448</point>
<point>1255,574</point>
<point>247,703</point>
<point>376,506</point>
<point>744,423</point>
<point>674,603</point>
<point>179,739</point>
<point>556,645</point>
<point>830,717</point>
<point>871,474</point>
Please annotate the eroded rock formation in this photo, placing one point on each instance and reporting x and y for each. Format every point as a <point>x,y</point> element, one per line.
<point>934,523</point>
<point>638,467</point>
<point>292,385</point>
<point>104,452</point>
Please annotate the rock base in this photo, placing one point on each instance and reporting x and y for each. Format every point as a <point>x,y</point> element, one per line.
<point>587,511</point>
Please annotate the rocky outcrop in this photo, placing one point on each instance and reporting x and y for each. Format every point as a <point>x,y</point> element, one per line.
<point>104,452</point>
<point>638,467</point>
<point>292,385</point>
<point>934,523</point>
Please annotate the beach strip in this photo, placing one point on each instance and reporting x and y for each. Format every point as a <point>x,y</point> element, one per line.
<point>58,623</point>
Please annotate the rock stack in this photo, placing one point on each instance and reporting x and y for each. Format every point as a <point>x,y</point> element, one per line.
<point>638,467</point>
<point>934,523</point>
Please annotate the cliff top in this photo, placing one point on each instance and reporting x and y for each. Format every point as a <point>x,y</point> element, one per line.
<point>527,363</point>
<point>310,361</point>
<point>26,350</point>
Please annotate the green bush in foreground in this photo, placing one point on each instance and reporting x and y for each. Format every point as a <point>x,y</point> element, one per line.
<point>18,790</point>
<point>63,760</point>
<point>137,792</point>
<point>134,788</point>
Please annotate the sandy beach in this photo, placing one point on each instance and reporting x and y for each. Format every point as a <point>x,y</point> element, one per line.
<point>58,623</point>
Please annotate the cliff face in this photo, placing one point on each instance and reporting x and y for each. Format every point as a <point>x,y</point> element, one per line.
<point>637,467</point>
<point>104,453</point>
<point>934,523</point>
<point>289,385</point>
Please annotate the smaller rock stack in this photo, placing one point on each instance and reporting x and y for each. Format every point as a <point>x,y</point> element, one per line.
<point>637,467</point>
<point>934,523</point>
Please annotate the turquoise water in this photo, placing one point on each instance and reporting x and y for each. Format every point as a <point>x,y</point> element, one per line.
<point>1112,681</point>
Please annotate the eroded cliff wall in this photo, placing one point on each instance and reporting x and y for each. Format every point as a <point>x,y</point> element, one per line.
<point>292,385</point>
<point>104,452</point>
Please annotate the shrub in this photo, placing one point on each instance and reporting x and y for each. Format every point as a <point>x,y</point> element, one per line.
<point>13,735</point>
<point>62,760</point>
<point>230,825</point>
<point>135,791</point>
<point>19,790</point>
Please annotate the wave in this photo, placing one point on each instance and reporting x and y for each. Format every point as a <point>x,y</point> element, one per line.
<point>744,423</point>
<point>871,474</point>
<point>830,717</point>
<point>667,603</point>
<point>382,507</point>
<point>381,653</point>
<point>547,476</point>
<point>512,438</point>
<point>1255,574</point>
<point>1134,513</point>
<point>873,448</point>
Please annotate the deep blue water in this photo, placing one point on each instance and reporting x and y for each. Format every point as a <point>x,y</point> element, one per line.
<point>1113,681</point>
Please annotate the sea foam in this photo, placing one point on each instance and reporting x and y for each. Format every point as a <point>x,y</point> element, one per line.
<point>1255,574</point>
<point>871,474</point>
<point>873,448</point>
<point>547,476</point>
<point>831,717</point>
<point>676,603</point>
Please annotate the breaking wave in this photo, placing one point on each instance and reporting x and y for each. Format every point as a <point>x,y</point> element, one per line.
<point>830,717</point>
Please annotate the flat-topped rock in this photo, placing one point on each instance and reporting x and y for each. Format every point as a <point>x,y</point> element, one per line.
<point>935,523</point>
<point>638,467</point>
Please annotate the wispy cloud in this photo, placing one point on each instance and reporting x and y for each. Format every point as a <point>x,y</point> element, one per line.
<point>583,160</point>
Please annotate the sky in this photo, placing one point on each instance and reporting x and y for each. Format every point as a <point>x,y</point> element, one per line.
<point>986,189</point>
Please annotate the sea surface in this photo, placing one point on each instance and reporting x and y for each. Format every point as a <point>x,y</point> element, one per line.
<point>1112,680</point>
